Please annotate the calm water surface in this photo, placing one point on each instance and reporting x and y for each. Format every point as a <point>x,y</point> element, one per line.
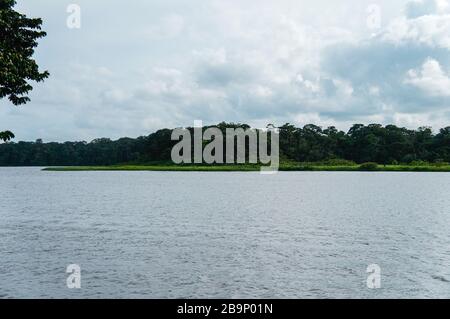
<point>224,235</point>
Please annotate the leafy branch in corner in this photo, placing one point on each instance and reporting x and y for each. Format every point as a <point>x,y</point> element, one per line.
<point>18,40</point>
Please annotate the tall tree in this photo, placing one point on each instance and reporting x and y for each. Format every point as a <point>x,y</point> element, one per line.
<point>18,39</point>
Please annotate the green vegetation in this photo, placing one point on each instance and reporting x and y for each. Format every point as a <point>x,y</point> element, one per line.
<point>251,168</point>
<point>187,168</point>
<point>18,40</point>
<point>307,148</point>
<point>368,167</point>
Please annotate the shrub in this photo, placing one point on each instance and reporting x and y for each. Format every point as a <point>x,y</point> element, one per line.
<point>408,159</point>
<point>394,162</point>
<point>440,162</point>
<point>368,166</point>
<point>419,163</point>
<point>338,162</point>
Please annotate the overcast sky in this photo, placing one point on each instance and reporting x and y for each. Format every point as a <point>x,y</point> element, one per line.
<point>136,66</point>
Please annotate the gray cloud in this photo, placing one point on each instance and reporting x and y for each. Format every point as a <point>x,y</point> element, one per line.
<point>132,69</point>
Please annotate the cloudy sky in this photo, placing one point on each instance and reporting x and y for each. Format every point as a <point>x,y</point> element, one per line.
<point>137,66</point>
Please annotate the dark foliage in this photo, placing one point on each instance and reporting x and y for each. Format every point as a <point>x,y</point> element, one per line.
<point>362,144</point>
<point>368,166</point>
<point>18,39</point>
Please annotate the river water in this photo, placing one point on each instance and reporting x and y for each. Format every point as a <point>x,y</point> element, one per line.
<point>224,235</point>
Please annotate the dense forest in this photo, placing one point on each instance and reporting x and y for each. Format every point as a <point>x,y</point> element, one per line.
<point>362,143</point>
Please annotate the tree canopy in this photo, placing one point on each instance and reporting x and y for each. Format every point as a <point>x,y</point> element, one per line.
<point>18,40</point>
<point>361,143</point>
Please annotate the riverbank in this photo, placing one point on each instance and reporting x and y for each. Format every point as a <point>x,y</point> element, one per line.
<point>252,168</point>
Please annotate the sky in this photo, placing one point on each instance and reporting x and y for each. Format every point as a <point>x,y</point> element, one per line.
<point>136,66</point>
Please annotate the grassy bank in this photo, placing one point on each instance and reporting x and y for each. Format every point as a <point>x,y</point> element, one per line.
<point>252,168</point>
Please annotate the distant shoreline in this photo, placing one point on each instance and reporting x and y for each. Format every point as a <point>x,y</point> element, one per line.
<point>251,168</point>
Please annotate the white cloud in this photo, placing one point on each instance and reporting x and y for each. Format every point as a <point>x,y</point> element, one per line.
<point>430,78</point>
<point>430,30</point>
<point>169,26</point>
<point>151,64</point>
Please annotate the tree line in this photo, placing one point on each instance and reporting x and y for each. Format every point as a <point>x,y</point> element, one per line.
<point>362,143</point>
